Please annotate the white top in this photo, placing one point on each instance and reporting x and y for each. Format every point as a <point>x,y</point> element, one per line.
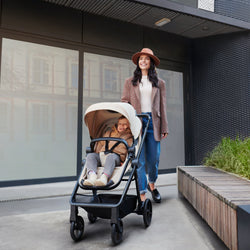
<point>146,92</point>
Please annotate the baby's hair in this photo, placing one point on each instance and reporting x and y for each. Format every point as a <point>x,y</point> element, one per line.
<point>122,117</point>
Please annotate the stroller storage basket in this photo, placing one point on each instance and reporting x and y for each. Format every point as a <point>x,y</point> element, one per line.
<point>103,204</point>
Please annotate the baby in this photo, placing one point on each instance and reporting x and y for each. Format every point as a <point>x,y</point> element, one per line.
<point>110,160</point>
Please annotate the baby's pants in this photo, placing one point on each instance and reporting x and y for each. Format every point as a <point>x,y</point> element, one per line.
<point>93,161</point>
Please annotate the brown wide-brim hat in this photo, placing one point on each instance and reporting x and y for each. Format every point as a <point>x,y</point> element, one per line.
<point>148,52</point>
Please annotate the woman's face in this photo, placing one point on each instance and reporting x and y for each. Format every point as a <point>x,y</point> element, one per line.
<point>144,62</point>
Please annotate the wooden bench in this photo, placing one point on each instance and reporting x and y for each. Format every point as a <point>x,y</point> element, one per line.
<point>222,200</point>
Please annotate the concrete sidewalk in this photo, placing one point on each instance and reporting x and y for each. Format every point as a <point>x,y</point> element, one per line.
<point>40,220</point>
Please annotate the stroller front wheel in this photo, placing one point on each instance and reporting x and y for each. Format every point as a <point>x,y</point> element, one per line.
<point>147,212</point>
<point>77,228</point>
<point>116,232</point>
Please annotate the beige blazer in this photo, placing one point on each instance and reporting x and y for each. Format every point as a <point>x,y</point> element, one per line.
<point>131,94</point>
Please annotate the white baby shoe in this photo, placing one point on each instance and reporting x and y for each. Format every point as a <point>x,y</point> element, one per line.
<point>102,181</point>
<point>90,181</point>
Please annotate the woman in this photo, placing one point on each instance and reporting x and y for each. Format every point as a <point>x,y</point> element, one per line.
<point>147,94</point>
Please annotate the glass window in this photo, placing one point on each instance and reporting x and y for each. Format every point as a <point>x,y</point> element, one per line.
<point>71,124</point>
<point>4,117</point>
<point>104,77</point>
<point>40,118</point>
<point>173,146</point>
<point>38,104</point>
<point>74,75</point>
<point>40,71</point>
<point>110,79</point>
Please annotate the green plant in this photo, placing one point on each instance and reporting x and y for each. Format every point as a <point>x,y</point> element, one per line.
<point>231,156</point>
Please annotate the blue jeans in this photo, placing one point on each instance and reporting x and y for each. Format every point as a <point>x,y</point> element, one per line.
<point>150,156</point>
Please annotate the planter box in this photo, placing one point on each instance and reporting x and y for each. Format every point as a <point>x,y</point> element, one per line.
<point>222,200</point>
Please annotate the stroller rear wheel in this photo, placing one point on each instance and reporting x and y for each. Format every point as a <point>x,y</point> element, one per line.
<point>116,232</point>
<point>147,212</point>
<point>77,228</point>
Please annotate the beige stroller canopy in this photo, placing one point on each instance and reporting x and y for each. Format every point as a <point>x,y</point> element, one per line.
<point>101,116</point>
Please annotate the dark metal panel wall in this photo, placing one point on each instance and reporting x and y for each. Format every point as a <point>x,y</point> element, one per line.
<point>42,19</point>
<point>238,9</point>
<point>115,34</point>
<point>111,33</point>
<point>169,46</point>
<point>69,25</point>
<point>220,92</point>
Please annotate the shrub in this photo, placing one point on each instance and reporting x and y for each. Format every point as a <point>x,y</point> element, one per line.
<point>231,156</point>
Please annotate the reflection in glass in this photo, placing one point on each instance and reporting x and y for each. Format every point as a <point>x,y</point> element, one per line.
<point>38,103</point>
<point>173,146</point>
<point>103,81</point>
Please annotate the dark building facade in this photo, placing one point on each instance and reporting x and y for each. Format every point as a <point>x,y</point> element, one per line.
<point>58,57</point>
<point>221,90</point>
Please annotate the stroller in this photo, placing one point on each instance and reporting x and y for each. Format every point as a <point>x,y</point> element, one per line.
<point>97,201</point>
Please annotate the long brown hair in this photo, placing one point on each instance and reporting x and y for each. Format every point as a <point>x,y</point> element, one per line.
<point>152,75</point>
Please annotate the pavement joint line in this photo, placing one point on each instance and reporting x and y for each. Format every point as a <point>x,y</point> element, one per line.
<point>35,198</point>
<point>69,194</point>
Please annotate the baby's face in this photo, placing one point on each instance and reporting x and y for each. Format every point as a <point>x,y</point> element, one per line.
<point>122,125</point>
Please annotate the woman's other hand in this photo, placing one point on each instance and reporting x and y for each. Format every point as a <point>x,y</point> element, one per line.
<point>164,135</point>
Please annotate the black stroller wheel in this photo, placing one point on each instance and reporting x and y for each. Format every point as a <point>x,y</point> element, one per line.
<point>147,212</point>
<point>77,228</point>
<point>92,218</point>
<point>116,232</point>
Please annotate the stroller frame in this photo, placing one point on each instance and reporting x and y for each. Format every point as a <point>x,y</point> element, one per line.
<point>111,206</point>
